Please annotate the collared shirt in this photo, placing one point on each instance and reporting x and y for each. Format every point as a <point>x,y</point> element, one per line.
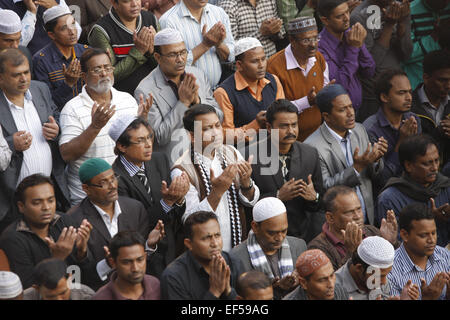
<point>292,63</point>
<point>404,269</point>
<point>75,118</point>
<point>245,20</point>
<point>38,157</point>
<point>186,279</point>
<point>345,279</point>
<point>180,18</point>
<point>47,67</point>
<point>193,203</point>
<point>346,64</point>
<point>5,152</point>
<point>436,112</point>
<point>133,169</point>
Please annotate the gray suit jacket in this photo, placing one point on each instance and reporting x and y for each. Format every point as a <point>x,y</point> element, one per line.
<point>166,113</point>
<point>335,170</point>
<point>45,107</point>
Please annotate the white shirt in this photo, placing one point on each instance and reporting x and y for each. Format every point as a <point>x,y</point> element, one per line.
<point>5,152</point>
<point>75,119</point>
<point>38,157</point>
<point>193,203</point>
<point>292,63</point>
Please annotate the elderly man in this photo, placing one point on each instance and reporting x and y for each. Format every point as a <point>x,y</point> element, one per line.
<point>109,213</point>
<point>145,176</point>
<point>303,71</point>
<point>346,156</point>
<point>57,64</point>
<point>364,276</point>
<point>245,96</point>
<point>207,33</point>
<point>85,120</point>
<point>29,122</point>
<point>174,88</point>
<point>220,178</point>
<point>127,33</point>
<point>421,182</point>
<point>344,228</point>
<point>267,247</point>
<point>317,279</point>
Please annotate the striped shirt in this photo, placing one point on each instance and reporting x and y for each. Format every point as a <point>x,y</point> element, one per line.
<point>38,157</point>
<point>75,118</point>
<point>133,169</point>
<point>180,18</point>
<point>404,269</point>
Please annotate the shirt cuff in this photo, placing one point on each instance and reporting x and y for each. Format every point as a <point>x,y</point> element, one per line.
<point>150,250</point>
<point>301,104</point>
<point>103,269</point>
<point>165,206</point>
<point>247,202</point>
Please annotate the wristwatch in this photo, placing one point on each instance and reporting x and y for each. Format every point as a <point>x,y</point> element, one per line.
<point>249,187</point>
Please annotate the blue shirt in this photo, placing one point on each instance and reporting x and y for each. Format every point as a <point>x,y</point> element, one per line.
<point>378,126</point>
<point>47,67</point>
<point>404,269</point>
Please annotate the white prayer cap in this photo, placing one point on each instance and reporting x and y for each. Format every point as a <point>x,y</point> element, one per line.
<point>10,285</point>
<point>245,44</point>
<point>9,22</point>
<point>55,12</point>
<point>167,36</point>
<point>120,125</point>
<point>376,252</point>
<point>268,208</point>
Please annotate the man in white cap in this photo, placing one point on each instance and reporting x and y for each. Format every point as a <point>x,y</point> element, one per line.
<point>245,95</point>
<point>85,120</point>
<point>145,176</point>
<point>267,247</point>
<point>57,64</point>
<point>10,286</point>
<point>174,88</point>
<point>364,276</point>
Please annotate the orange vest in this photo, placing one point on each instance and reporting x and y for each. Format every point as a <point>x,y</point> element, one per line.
<point>297,86</point>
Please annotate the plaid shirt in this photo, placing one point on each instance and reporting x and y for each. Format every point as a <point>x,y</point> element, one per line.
<point>245,21</point>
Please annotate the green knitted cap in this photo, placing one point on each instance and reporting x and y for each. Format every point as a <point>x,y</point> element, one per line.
<point>92,167</point>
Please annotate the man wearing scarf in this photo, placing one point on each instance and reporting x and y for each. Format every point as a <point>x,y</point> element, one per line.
<point>268,249</point>
<point>420,182</point>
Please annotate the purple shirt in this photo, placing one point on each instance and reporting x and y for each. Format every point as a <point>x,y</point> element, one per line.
<point>345,62</point>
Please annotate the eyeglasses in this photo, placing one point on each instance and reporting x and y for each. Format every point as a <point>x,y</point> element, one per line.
<point>143,141</point>
<point>307,41</point>
<point>99,70</point>
<point>174,55</point>
<point>105,183</point>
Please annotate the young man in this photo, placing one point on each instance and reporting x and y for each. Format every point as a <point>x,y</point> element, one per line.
<point>129,281</point>
<point>245,95</point>
<point>267,247</point>
<point>220,179</point>
<point>419,259</point>
<point>42,233</point>
<point>290,171</point>
<point>254,285</point>
<point>317,279</point>
<point>57,64</point>
<point>346,155</point>
<point>204,271</point>
<point>52,282</point>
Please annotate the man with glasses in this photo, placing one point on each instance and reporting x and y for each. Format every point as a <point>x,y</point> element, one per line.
<point>109,214</point>
<point>302,71</point>
<point>174,88</point>
<point>85,120</point>
<point>145,176</point>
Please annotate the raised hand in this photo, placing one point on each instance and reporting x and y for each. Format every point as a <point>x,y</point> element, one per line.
<point>442,213</point>
<point>434,289</point>
<point>214,36</point>
<point>188,90</point>
<point>286,283</point>
<point>261,119</point>
<point>46,3</point>
<point>223,182</point>
<point>445,126</point>
<point>352,236</point>
<point>50,129</point>
<point>156,234</point>
<point>410,291</point>
<point>72,72</point>
<point>142,39</point>
<point>219,276</point>
<point>308,192</point>
<point>64,246</point>
<point>144,106</point>
<point>371,155</point>
<point>177,190</point>
<point>151,40</point>
<point>312,96</point>
<point>389,228</point>
<point>245,172</point>
<point>290,190</point>
<point>83,234</point>
<point>356,35</point>
<point>393,13</point>
<point>408,127</point>
<point>101,114</point>
<point>22,140</point>
<point>270,26</point>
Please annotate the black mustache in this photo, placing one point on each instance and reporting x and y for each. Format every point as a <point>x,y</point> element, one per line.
<point>290,136</point>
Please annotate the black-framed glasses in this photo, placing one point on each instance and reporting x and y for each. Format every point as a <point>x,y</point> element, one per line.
<point>143,140</point>
<point>174,55</point>
<point>105,183</point>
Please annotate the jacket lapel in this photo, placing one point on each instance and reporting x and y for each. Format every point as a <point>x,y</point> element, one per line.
<point>334,144</point>
<point>96,220</point>
<point>165,91</point>
<point>39,104</point>
<point>6,118</point>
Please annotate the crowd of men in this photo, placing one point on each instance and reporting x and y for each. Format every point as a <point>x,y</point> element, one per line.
<point>230,149</point>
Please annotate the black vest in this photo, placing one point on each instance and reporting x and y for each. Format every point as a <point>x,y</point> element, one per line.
<point>121,40</point>
<point>245,106</point>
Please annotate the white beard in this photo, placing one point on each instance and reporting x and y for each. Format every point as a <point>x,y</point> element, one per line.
<point>102,86</point>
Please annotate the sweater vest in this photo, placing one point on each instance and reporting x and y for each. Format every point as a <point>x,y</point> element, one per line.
<point>121,40</point>
<point>245,106</point>
<point>297,86</point>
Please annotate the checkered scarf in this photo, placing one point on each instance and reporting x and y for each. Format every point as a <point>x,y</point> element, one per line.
<point>259,260</point>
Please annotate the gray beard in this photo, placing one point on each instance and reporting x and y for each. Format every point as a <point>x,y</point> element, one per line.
<point>102,86</point>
